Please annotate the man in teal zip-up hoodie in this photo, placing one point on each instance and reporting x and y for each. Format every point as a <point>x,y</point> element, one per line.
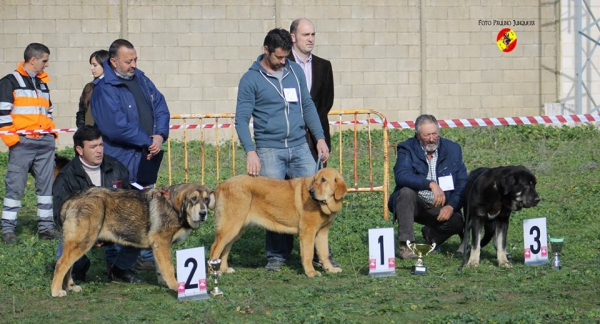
<point>274,93</point>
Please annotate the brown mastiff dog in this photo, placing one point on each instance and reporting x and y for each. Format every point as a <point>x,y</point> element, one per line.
<point>154,218</point>
<point>305,206</point>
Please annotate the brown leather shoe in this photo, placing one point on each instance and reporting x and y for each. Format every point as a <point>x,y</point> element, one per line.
<point>405,253</point>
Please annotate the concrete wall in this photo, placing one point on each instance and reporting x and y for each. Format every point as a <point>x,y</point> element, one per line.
<point>401,57</point>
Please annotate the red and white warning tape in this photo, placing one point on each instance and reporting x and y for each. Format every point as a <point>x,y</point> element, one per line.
<point>450,123</point>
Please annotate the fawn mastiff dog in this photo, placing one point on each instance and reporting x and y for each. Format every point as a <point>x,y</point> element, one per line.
<point>154,218</point>
<point>304,206</point>
<point>491,195</point>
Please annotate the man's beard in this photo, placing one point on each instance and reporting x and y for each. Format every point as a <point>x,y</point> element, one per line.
<point>126,75</point>
<point>429,148</point>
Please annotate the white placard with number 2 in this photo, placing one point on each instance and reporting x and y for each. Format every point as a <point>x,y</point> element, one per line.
<point>191,274</point>
<point>535,239</point>
<point>382,260</point>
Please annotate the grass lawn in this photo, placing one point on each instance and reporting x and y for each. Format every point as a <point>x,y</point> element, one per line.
<point>565,160</point>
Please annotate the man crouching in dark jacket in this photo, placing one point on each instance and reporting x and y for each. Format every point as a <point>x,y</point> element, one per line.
<point>91,168</point>
<point>430,180</point>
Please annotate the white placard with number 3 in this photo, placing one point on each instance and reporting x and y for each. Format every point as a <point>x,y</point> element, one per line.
<point>382,260</point>
<point>191,274</point>
<point>535,239</point>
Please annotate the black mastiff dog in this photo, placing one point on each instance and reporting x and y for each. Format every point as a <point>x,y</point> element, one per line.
<point>491,195</point>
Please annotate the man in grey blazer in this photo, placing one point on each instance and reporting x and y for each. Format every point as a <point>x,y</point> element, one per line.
<point>319,79</point>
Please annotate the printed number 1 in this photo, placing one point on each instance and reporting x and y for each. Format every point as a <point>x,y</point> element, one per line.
<point>536,239</point>
<point>380,241</point>
<point>194,263</point>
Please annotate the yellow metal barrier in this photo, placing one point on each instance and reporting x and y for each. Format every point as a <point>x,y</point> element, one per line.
<point>347,123</point>
<point>359,120</point>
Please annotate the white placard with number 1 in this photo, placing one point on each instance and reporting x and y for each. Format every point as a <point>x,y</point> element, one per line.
<point>535,239</point>
<point>191,274</point>
<point>382,259</point>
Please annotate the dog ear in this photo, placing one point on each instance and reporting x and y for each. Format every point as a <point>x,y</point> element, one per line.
<point>340,188</point>
<point>507,184</point>
<point>179,203</point>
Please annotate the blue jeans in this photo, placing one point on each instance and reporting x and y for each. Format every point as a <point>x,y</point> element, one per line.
<point>295,162</point>
<point>120,256</point>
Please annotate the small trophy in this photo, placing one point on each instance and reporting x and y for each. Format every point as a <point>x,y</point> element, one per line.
<point>214,265</point>
<point>556,245</point>
<point>420,250</point>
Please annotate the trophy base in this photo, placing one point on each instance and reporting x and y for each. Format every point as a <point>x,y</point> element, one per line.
<point>419,270</point>
<point>216,293</point>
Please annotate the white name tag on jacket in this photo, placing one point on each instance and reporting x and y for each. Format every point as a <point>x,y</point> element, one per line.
<point>290,94</point>
<point>446,183</point>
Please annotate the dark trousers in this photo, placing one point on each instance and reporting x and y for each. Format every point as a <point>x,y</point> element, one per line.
<point>279,246</point>
<point>411,209</point>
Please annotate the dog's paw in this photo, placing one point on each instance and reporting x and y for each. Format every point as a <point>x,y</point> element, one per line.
<point>75,288</point>
<point>226,270</point>
<point>505,265</point>
<point>334,270</point>
<point>473,264</point>
<point>312,274</point>
<point>60,293</point>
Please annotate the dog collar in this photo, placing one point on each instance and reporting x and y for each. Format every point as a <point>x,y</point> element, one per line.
<point>165,193</point>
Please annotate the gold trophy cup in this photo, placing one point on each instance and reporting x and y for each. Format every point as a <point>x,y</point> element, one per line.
<point>214,265</point>
<point>556,244</point>
<point>420,250</point>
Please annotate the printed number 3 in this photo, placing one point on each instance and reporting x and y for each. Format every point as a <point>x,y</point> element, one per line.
<point>536,239</point>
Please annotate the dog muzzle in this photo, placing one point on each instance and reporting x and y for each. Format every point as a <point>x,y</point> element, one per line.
<point>311,191</point>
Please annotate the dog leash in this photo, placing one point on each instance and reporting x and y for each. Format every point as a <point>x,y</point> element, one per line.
<point>320,163</point>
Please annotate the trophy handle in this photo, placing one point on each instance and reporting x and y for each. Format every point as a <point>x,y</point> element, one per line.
<point>409,246</point>
<point>432,248</point>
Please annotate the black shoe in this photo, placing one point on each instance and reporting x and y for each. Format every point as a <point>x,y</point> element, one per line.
<point>9,238</point>
<point>274,265</point>
<point>50,234</point>
<point>128,276</point>
<point>144,265</point>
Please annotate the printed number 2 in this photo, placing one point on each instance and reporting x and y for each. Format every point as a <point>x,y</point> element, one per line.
<point>380,241</point>
<point>189,279</point>
<point>536,239</point>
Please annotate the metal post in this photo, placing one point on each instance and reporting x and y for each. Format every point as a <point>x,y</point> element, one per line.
<point>578,57</point>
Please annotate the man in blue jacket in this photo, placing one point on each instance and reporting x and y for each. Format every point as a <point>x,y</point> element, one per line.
<point>274,93</point>
<point>134,119</point>
<point>430,180</point>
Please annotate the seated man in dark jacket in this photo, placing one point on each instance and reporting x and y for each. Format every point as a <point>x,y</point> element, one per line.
<point>430,180</point>
<point>88,169</point>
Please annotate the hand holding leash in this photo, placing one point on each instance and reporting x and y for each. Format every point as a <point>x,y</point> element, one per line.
<point>323,150</point>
